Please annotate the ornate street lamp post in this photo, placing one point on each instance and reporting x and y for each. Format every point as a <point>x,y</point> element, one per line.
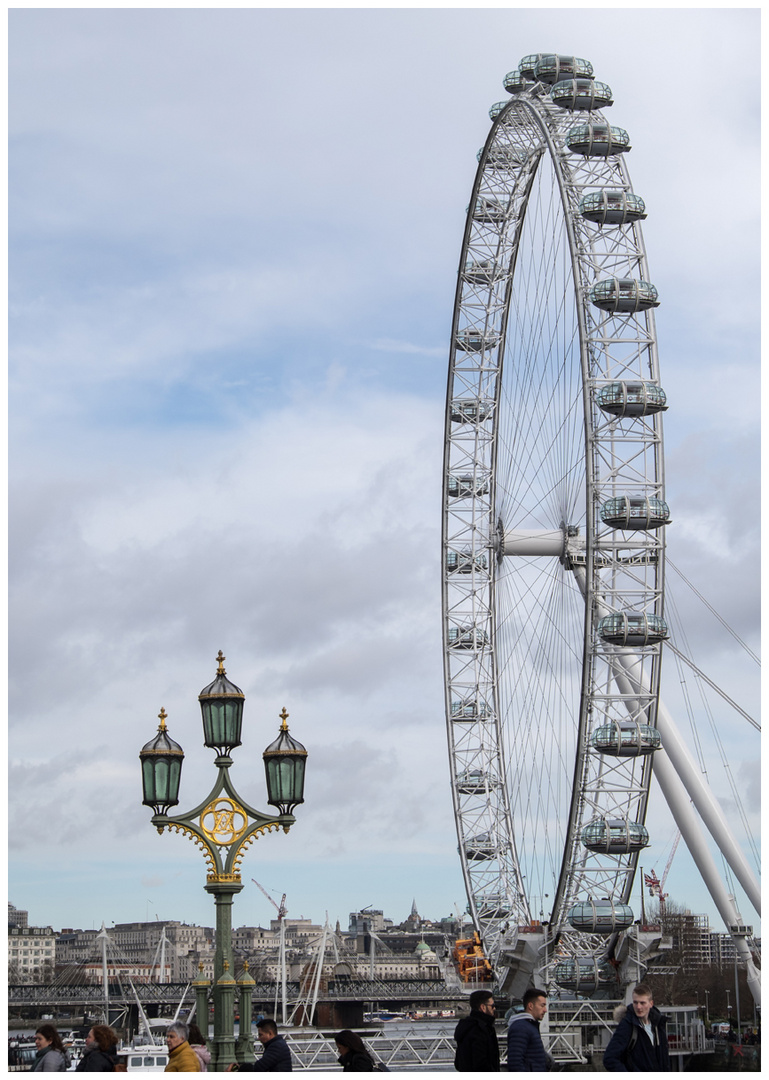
<point>223,826</point>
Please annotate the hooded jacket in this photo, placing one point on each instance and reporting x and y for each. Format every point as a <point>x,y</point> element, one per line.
<point>525,1049</point>
<point>477,1044</point>
<point>643,1056</point>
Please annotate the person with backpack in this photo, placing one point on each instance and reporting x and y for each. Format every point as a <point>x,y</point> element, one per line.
<point>640,1043</point>
<point>100,1050</point>
<point>197,1041</point>
<point>353,1055</point>
<point>476,1036</point>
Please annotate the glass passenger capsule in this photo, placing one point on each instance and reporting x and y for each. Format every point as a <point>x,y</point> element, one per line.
<point>634,628</point>
<point>584,974</point>
<point>477,340</point>
<point>623,295</point>
<point>552,68</point>
<point>581,94</point>
<point>503,157</point>
<point>467,485</point>
<point>470,411</point>
<point>598,140</point>
<point>467,637</point>
<point>488,211</point>
<point>470,710</point>
<point>635,512</point>
<point>614,836</point>
<point>514,82</point>
<point>484,272</point>
<point>464,562</point>
<point>612,207</point>
<point>475,782</point>
<point>497,108</point>
<point>624,738</point>
<point>631,398</point>
<point>528,65</point>
<point>600,916</point>
<point>480,847</point>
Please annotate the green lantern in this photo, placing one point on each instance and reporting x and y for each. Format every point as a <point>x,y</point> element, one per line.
<point>161,760</point>
<point>284,764</point>
<point>221,703</point>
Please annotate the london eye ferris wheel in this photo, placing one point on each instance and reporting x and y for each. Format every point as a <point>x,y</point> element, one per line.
<point>554,519</point>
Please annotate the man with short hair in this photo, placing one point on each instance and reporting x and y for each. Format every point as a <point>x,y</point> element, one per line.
<point>276,1056</point>
<point>525,1049</point>
<point>476,1037</point>
<point>640,1043</point>
<point>181,1056</point>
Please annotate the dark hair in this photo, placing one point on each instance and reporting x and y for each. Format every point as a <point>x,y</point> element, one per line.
<point>480,997</point>
<point>48,1031</point>
<point>643,990</point>
<point>104,1036</point>
<point>532,994</point>
<point>196,1036</point>
<point>268,1025</point>
<point>351,1041</point>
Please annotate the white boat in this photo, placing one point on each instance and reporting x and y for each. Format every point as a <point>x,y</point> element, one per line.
<point>147,1058</point>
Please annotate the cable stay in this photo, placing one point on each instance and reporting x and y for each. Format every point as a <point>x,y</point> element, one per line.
<point>669,562</point>
<point>714,686</point>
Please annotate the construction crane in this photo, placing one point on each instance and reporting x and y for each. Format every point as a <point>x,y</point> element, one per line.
<point>281,910</point>
<point>656,885</point>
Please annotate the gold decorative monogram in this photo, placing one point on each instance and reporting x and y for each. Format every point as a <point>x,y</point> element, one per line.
<point>223,821</point>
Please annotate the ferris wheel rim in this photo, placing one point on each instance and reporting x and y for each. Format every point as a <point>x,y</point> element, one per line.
<point>552,150</point>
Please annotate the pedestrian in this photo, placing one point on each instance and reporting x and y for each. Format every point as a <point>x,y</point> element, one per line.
<point>276,1056</point>
<point>353,1055</point>
<point>181,1056</point>
<point>100,1050</point>
<point>51,1055</point>
<point>476,1036</point>
<point>525,1049</point>
<point>197,1041</point>
<point>640,1043</point>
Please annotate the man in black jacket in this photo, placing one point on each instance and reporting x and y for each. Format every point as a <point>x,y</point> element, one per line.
<point>276,1056</point>
<point>640,1043</point>
<point>475,1036</point>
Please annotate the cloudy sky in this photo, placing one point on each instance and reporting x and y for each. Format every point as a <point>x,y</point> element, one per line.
<point>234,238</point>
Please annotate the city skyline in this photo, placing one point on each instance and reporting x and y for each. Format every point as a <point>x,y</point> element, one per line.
<point>233,247</point>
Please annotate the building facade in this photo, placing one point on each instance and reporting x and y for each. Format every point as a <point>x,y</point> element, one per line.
<point>31,953</point>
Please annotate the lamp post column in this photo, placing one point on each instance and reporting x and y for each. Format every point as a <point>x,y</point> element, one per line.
<point>245,1048</point>
<point>223,1052</point>
<point>201,985</point>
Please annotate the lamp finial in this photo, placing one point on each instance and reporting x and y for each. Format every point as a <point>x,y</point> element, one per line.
<point>221,658</point>
<point>162,716</point>
<point>284,716</point>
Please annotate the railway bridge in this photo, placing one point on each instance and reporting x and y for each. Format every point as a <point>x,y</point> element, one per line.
<point>341,1001</point>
